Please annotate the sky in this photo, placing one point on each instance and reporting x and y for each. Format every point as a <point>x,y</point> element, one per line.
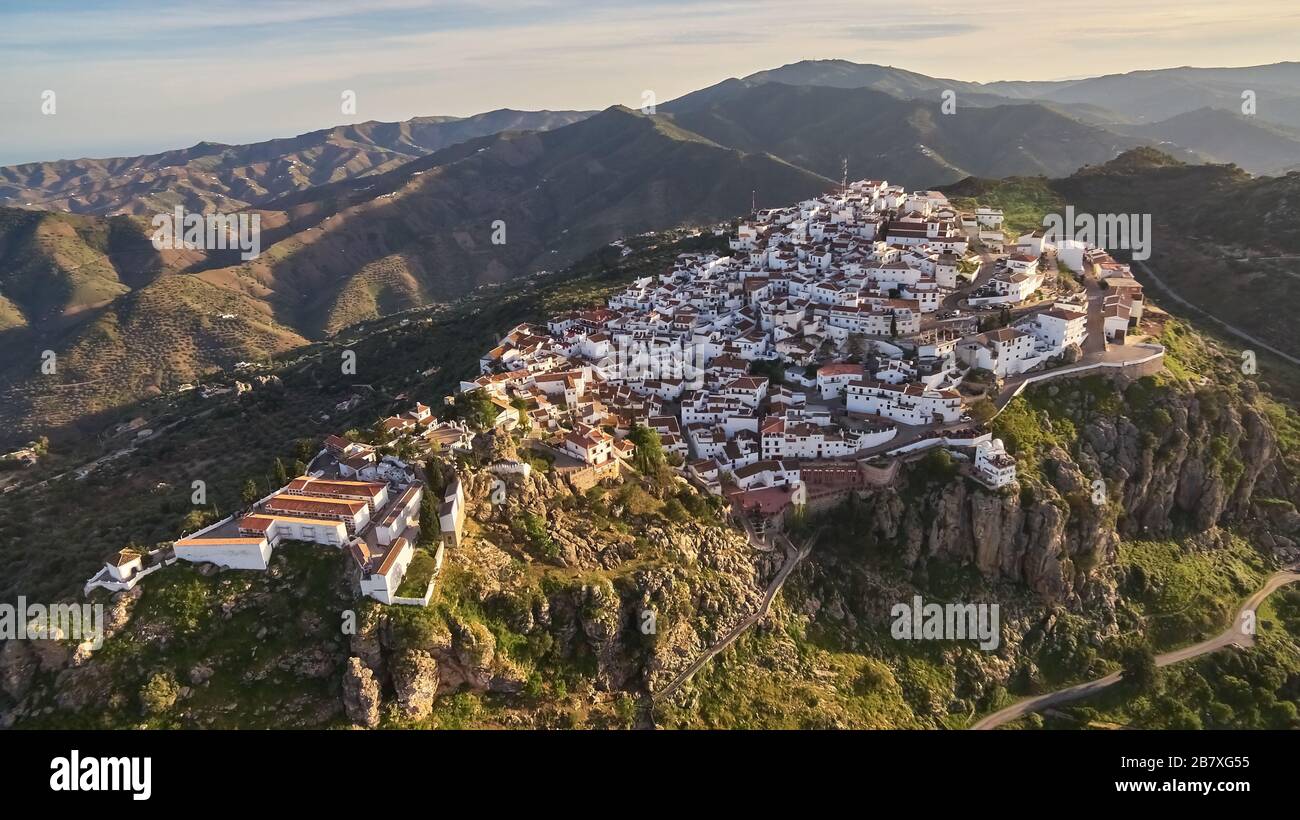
<point>132,77</point>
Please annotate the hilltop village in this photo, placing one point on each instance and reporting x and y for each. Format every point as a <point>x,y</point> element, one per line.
<point>842,336</point>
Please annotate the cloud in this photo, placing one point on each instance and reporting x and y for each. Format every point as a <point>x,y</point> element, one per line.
<point>891,33</point>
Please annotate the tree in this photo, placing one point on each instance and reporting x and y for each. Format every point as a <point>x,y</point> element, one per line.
<point>305,450</point>
<point>281,475</point>
<point>197,520</point>
<point>1139,668</point>
<point>405,449</point>
<point>433,477</point>
<point>857,346</point>
<point>533,528</point>
<point>893,326</point>
<point>772,369</point>
<point>983,411</point>
<point>649,450</point>
<point>521,407</point>
<point>159,693</point>
<point>299,467</point>
<point>250,493</point>
<point>476,409</point>
<point>674,511</point>
<point>430,524</point>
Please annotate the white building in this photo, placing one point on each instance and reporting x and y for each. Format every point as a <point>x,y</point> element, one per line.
<point>382,583</point>
<point>992,464</point>
<point>833,378</point>
<point>1059,328</point>
<point>590,445</point>
<point>235,552</point>
<point>451,513</point>
<point>1004,352</point>
<point>354,513</point>
<point>278,527</point>
<point>401,514</point>
<point>906,403</point>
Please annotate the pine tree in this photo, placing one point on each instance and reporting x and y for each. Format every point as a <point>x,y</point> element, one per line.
<point>430,526</point>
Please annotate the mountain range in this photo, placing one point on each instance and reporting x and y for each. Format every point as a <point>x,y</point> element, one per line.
<point>211,176</point>
<point>364,220</point>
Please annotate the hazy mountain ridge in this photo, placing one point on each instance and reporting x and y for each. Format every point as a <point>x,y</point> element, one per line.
<point>1116,102</point>
<point>340,254</point>
<point>885,137</point>
<point>211,176</point>
<point>389,229</point>
<point>1223,136</point>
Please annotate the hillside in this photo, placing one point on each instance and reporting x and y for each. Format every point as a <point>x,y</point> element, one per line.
<point>340,254</point>
<point>1152,106</point>
<point>121,317</point>
<point>1224,136</point>
<point>1154,95</point>
<point>885,137</point>
<point>425,232</point>
<point>210,176</point>
<point>1198,462</point>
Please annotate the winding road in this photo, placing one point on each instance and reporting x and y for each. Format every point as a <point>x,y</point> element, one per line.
<point>1236,331</point>
<point>1232,636</point>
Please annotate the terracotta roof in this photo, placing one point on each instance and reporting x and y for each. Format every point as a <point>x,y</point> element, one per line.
<point>394,551</point>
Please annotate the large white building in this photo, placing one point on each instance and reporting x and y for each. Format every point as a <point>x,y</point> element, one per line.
<point>277,527</point>
<point>906,403</point>
<point>400,515</point>
<point>234,552</point>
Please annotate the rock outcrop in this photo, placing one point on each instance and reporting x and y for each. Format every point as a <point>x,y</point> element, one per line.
<point>360,694</point>
<point>415,677</point>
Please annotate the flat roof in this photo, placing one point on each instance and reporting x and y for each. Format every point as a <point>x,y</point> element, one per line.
<point>216,542</point>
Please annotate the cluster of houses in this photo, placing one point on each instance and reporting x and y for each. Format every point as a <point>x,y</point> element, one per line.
<point>775,375</point>
<point>821,337</point>
<point>359,502</point>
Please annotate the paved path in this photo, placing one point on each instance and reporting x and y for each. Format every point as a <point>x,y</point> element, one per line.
<point>793,558</point>
<point>1232,636</point>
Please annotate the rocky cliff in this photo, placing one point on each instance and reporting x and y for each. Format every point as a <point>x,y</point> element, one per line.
<point>1099,460</point>
<point>621,597</point>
